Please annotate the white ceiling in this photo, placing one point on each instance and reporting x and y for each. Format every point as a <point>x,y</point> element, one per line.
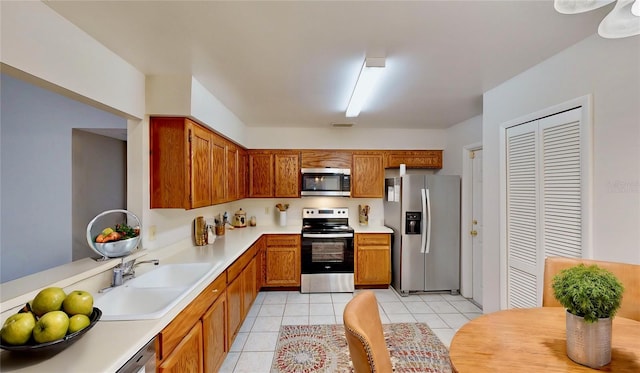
<point>294,63</point>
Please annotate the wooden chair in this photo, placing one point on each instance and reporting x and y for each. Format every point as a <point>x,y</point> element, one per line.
<point>628,274</point>
<point>365,337</point>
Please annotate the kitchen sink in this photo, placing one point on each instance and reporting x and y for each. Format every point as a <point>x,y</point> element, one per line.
<point>171,275</point>
<point>152,294</point>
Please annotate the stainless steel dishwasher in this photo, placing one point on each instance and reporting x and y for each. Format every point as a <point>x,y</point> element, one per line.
<point>144,361</point>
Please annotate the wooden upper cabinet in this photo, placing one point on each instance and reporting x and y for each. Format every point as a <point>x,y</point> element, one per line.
<point>261,174</point>
<point>180,163</point>
<point>413,158</point>
<point>287,174</point>
<point>274,173</point>
<point>367,175</point>
<point>218,184</point>
<point>243,173</point>
<point>325,158</point>
<point>232,172</point>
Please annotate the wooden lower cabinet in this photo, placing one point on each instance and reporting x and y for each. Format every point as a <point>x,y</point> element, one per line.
<point>372,259</point>
<point>187,356</point>
<point>214,337</point>
<point>242,276</point>
<point>282,260</point>
<point>234,308</point>
<point>179,347</point>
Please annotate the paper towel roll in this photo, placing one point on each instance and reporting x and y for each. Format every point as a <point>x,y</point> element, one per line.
<point>403,169</point>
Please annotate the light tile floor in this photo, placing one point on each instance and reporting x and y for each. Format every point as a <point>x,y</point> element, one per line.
<point>253,349</point>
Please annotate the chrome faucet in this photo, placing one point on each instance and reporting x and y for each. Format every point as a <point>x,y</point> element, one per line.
<point>125,271</point>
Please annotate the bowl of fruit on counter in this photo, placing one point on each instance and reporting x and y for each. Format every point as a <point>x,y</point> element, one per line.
<point>50,322</point>
<point>114,233</point>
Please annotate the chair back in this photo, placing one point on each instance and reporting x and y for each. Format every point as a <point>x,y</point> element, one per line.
<point>627,274</point>
<point>365,337</point>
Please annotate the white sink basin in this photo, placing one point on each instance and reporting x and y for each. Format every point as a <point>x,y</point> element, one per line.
<point>152,294</point>
<point>171,275</point>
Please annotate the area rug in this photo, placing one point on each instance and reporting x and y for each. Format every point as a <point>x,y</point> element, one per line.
<point>323,348</point>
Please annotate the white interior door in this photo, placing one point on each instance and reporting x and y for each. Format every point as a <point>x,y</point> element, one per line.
<point>476,226</point>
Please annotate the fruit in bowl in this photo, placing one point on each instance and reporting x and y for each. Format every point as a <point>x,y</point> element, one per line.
<point>120,232</point>
<point>49,317</point>
<point>17,328</point>
<point>47,300</point>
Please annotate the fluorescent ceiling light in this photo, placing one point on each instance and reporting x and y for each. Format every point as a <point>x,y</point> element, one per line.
<point>369,74</point>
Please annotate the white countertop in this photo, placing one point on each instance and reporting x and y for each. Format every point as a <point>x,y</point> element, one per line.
<point>109,344</point>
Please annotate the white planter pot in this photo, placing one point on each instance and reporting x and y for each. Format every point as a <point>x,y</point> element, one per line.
<point>589,343</point>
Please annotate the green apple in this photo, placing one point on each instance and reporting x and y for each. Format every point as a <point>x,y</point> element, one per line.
<point>78,302</point>
<point>47,300</point>
<point>17,328</point>
<point>78,322</point>
<point>51,327</point>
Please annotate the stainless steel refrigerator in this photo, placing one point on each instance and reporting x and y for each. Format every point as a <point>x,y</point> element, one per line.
<point>424,213</point>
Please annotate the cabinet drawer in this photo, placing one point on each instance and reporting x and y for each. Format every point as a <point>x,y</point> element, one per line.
<point>236,268</point>
<point>173,333</point>
<point>373,239</point>
<point>283,240</point>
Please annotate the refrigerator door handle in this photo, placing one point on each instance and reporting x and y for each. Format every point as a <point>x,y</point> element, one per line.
<point>426,212</point>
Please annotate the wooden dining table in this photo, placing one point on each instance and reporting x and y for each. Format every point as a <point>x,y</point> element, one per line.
<point>534,340</point>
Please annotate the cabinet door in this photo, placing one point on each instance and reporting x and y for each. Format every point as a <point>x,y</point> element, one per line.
<point>325,158</point>
<point>168,160</point>
<point>243,173</point>
<point>261,179</point>
<point>218,184</point>
<point>214,331</point>
<point>413,158</point>
<point>235,297</point>
<point>249,286</point>
<point>232,172</point>
<point>287,175</point>
<point>260,263</point>
<point>201,169</point>
<point>187,356</point>
<point>282,260</point>
<point>372,259</point>
<point>367,177</point>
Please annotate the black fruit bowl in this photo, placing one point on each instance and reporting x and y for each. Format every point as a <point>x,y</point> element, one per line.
<point>57,345</point>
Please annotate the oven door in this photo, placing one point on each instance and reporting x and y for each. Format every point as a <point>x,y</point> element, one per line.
<point>327,253</point>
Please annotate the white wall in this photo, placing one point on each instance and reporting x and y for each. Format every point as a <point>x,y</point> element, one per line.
<point>183,95</point>
<point>40,42</point>
<point>458,136</point>
<point>610,71</point>
<point>343,138</point>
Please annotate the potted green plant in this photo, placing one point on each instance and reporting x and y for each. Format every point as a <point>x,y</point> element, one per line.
<point>591,295</point>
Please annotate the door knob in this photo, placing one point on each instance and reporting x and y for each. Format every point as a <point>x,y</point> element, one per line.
<point>474,233</point>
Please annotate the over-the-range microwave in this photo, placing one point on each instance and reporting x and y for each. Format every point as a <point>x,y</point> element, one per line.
<point>326,182</point>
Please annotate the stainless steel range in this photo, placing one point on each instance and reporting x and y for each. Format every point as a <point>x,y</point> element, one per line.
<point>327,251</point>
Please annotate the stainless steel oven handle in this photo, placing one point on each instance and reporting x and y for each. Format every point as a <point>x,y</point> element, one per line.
<point>327,235</point>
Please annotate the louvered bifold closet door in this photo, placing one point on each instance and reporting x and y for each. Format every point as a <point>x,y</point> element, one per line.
<point>522,215</point>
<point>561,174</point>
<point>545,200</point>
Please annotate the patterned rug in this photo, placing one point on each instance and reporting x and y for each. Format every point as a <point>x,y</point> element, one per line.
<point>323,348</point>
